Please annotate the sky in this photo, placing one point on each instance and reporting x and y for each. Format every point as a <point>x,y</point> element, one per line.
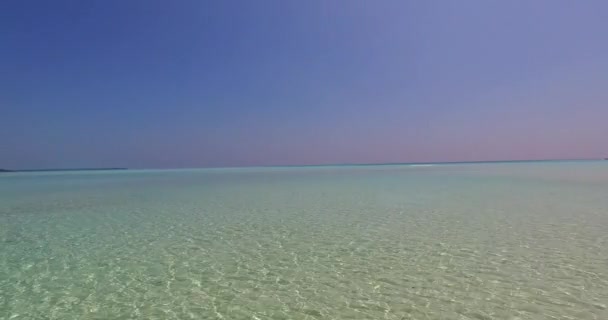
<point>191,83</point>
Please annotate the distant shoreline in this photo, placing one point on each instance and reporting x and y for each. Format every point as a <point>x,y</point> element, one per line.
<point>415,163</point>
<point>69,169</point>
<point>321,165</point>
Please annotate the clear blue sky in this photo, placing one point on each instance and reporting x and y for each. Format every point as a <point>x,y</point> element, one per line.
<point>223,83</point>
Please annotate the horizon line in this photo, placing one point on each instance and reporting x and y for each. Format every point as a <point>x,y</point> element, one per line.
<point>306,165</point>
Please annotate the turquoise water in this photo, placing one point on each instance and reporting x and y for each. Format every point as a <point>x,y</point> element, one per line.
<point>461,241</point>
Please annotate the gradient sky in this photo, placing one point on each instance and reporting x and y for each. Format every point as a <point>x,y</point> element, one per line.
<point>195,83</point>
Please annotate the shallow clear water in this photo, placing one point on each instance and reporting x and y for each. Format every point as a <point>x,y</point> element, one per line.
<point>476,241</point>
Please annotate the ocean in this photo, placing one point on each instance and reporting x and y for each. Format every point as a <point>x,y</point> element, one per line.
<point>524,240</point>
